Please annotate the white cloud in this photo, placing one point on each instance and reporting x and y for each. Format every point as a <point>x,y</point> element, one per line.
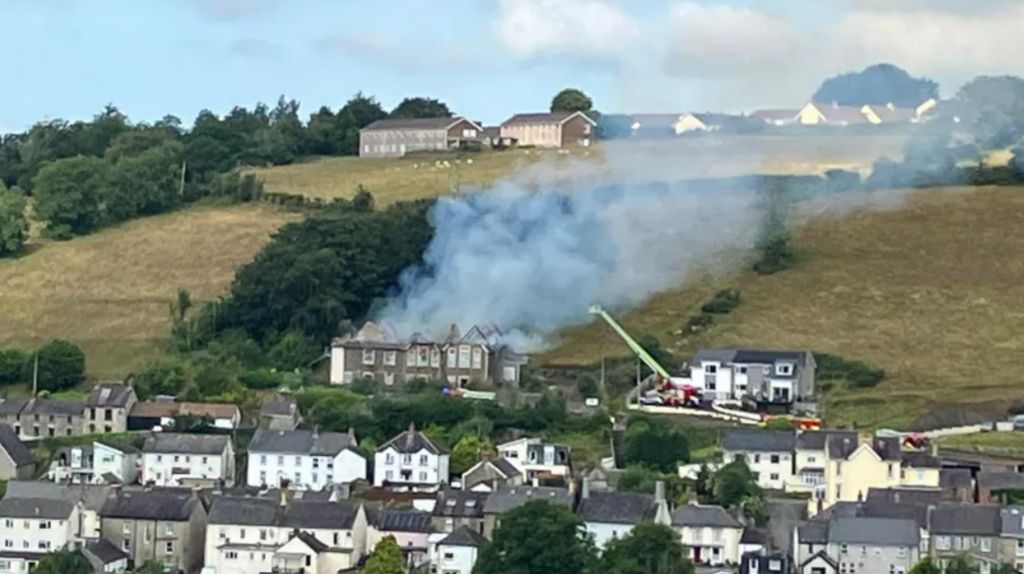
<point>949,45</point>
<point>718,40</point>
<point>590,29</point>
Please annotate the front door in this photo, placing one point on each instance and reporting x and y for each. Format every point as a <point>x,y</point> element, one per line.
<point>696,554</point>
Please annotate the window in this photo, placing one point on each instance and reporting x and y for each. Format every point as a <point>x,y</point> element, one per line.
<point>478,360</point>
<point>280,460</point>
<point>423,477</point>
<point>389,475</point>
<point>743,370</point>
<point>231,555</point>
<point>368,356</point>
<point>435,357</point>
<point>389,458</point>
<point>986,544</point>
<point>775,459</point>
<point>263,533</point>
<point>126,528</point>
<point>108,415</point>
<point>222,533</point>
<point>452,357</point>
<point>757,458</point>
<point>44,524</point>
<point>842,549</point>
<point>811,459</point>
<point>774,476</point>
<point>711,369</point>
<point>464,360</point>
<point>406,459</point>
<point>784,369</point>
<point>390,358</point>
<point>8,543</point>
<point>168,529</point>
<point>176,458</point>
<point>241,534</point>
<point>316,478</point>
<point>169,547</point>
<point>205,460</point>
<point>126,545</point>
<point>901,552</point>
<point>423,460</point>
<point>298,460</point>
<point>8,523</point>
<point>448,556</point>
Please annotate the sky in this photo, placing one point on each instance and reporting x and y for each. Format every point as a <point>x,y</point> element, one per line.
<point>487,59</point>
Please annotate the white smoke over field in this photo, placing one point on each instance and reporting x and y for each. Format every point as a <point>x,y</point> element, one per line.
<point>531,262</point>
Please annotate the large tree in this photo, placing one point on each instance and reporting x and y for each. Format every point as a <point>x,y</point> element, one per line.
<point>63,562</point>
<point>67,194</point>
<point>421,108</point>
<point>61,366</point>
<point>539,538</point>
<point>648,549</point>
<point>13,222</point>
<point>571,100</point>
<point>144,184</point>
<point>468,451</point>
<point>880,84</point>
<point>654,444</point>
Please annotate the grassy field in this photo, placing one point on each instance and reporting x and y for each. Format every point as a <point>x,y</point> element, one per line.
<point>995,443</point>
<point>109,292</point>
<point>931,292</point>
<point>393,180</point>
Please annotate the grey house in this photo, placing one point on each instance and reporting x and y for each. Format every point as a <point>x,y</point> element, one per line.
<point>15,459</point>
<point>280,412</point>
<point>395,137</point>
<point>166,525</point>
<point>858,544</point>
<point>455,508</point>
<point>107,408</point>
<point>971,529</point>
<point>42,418</point>
<point>782,379</point>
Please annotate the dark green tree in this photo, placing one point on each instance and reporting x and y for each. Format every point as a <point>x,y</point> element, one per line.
<point>151,567</point>
<point>467,452</point>
<point>144,184</point>
<point>283,139</point>
<point>61,366</point>
<point>293,351</point>
<point>880,84</point>
<point>386,558</point>
<point>96,136</point>
<point>13,222</point>
<point>571,100</point>
<point>653,443</point>
<point>926,566</point>
<point>139,139</point>
<point>421,108</point>
<point>63,562</point>
<point>67,195</point>
<point>167,376</point>
<point>961,564</point>
<point>539,538</point>
<point>12,365</point>
<point>648,549</point>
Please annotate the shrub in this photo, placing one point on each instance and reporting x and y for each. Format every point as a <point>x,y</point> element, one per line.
<point>261,379</point>
<point>698,322</point>
<point>725,301</point>
<point>365,386</point>
<point>856,373</point>
<point>12,361</point>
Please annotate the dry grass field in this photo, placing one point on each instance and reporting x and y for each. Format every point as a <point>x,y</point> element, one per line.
<point>995,443</point>
<point>109,292</point>
<point>931,292</point>
<point>393,180</point>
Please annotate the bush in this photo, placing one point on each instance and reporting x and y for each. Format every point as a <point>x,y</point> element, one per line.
<point>61,366</point>
<point>12,361</point>
<point>365,386</point>
<point>698,322</point>
<point>724,302</point>
<point>261,379</point>
<point>857,374</point>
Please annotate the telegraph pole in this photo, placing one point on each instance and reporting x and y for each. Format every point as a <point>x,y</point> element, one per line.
<point>35,375</point>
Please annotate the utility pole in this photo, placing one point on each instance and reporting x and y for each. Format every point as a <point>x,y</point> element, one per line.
<point>181,180</point>
<point>35,375</point>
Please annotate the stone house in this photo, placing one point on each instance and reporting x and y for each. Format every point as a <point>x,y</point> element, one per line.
<point>970,529</point>
<point>107,408</point>
<point>165,525</point>
<point>455,508</point>
<point>550,130</point>
<point>43,417</point>
<point>857,544</point>
<point>16,461</point>
<point>396,137</point>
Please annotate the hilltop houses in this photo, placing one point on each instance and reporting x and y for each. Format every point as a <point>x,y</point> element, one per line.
<point>477,358</point>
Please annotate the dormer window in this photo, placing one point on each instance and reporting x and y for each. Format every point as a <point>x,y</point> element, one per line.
<point>711,369</point>
<point>785,369</point>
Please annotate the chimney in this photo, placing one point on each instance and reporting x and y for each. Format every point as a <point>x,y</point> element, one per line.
<point>585,489</point>
<point>659,491</point>
<point>284,491</point>
<point>352,433</point>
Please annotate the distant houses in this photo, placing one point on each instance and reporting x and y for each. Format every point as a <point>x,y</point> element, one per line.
<point>396,137</point>
<point>550,130</point>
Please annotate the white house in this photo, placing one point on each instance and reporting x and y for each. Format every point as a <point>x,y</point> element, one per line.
<point>537,459</point>
<point>308,459</point>
<point>248,534</point>
<point>410,461</point>
<point>711,535</point>
<point>457,552</point>
<point>608,515</point>
<point>765,376</point>
<point>172,459</point>
<point>768,453</point>
<point>114,462</point>
<point>33,527</point>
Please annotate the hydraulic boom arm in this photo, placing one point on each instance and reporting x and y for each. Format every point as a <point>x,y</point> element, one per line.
<point>633,345</point>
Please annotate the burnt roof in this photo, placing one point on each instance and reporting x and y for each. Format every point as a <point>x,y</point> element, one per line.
<point>617,507</point>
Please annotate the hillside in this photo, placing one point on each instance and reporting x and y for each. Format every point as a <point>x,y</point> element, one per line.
<point>109,292</point>
<point>930,292</point>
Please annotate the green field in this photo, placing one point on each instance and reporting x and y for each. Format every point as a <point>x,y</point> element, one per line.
<point>109,292</point>
<point>993,443</point>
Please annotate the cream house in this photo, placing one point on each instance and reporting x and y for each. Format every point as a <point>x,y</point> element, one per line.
<point>550,130</point>
<point>710,534</point>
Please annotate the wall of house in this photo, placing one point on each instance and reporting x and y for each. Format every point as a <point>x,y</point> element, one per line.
<point>818,564</point>
<point>167,469</point>
<point>172,543</point>
<point>396,143</point>
<point>304,471</point>
<point>603,532</point>
<point>464,130</point>
<point>810,115</point>
<point>27,535</point>
<point>36,426</point>
<point>712,545</point>
<point>864,558</point>
<point>422,468</point>
<point>577,132</point>
<point>9,470</point>
<point>979,549</point>
<point>774,469</point>
<point>99,419</point>
<point>455,559</point>
<point>122,465</point>
<point>546,135</point>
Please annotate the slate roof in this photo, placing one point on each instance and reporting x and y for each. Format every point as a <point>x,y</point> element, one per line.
<point>506,498</point>
<point>966,519</point>
<point>109,395</point>
<point>174,443</point>
<point>301,442</point>
<point>505,467</point>
<point>1000,480</point>
<point>104,551</point>
<point>888,447</point>
<point>16,449</point>
<point>758,440</point>
<point>54,407</point>
<point>837,440</point>
<point>400,520</point>
<point>35,508</point>
<point>244,511</point>
<point>413,124</point>
<point>616,507</point>
<point>411,442</point>
<point>823,556</point>
<point>702,515</point>
<point>279,405</point>
<point>12,406</point>
<point>1012,518</point>
<point>542,118</point>
<point>92,496</point>
<point>813,532</point>
<point>309,540</point>
<point>170,504</point>
<point>874,531</point>
<point>320,515</point>
<point>460,504</point>
<point>921,496</point>
<point>464,536</point>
